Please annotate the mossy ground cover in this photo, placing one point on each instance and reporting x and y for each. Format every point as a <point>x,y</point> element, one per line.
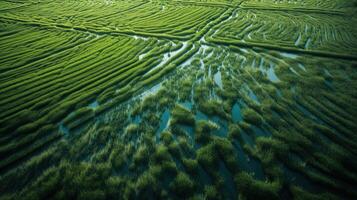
<point>178,99</point>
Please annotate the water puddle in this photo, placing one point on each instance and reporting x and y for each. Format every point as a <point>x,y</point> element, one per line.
<point>187,129</point>
<point>252,95</point>
<point>223,127</point>
<point>204,48</point>
<point>187,62</point>
<point>202,67</point>
<point>307,44</point>
<point>255,168</point>
<point>140,38</point>
<point>169,55</point>
<point>228,181</point>
<point>247,139</point>
<point>201,116</point>
<point>164,121</point>
<point>218,79</point>
<point>202,40</point>
<point>63,129</point>
<point>136,120</point>
<point>142,56</point>
<point>261,65</point>
<point>289,55</point>
<point>248,164</point>
<point>259,132</point>
<point>236,113</point>
<point>94,105</point>
<point>271,74</point>
<point>188,105</point>
<point>297,42</point>
<point>244,50</point>
<point>152,90</point>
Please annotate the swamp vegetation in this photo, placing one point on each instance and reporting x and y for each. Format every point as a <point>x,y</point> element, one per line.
<point>176,99</point>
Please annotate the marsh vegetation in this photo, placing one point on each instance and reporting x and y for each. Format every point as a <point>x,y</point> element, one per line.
<point>206,99</point>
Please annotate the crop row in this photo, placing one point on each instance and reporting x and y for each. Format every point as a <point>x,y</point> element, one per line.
<point>312,32</point>
<point>305,4</point>
<point>228,122</point>
<point>178,21</point>
<point>62,72</point>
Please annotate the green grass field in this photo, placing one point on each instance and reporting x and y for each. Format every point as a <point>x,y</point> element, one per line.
<point>176,99</point>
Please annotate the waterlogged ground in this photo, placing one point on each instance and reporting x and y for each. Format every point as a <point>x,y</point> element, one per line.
<point>213,99</point>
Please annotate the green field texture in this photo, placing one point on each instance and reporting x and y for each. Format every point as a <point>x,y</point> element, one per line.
<point>176,99</point>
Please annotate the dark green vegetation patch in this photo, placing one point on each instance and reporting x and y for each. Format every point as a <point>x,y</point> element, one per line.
<point>203,99</point>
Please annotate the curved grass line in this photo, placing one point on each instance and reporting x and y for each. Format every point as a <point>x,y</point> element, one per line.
<point>284,49</point>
